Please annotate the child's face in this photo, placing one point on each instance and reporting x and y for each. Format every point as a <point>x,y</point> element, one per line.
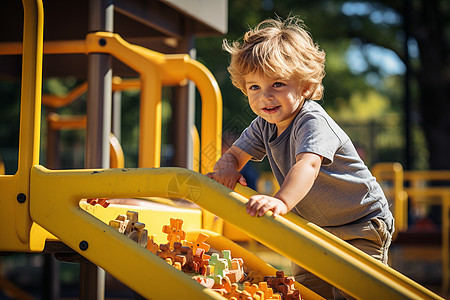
<point>275,100</point>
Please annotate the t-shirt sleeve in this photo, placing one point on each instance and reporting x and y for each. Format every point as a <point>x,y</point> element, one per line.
<point>251,140</point>
<point>314,134</point>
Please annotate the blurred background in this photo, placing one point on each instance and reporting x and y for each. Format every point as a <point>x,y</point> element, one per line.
<point>387,85</point>
<point>387,81</point>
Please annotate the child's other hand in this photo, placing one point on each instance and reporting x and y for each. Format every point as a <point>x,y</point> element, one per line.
<point>228,178</point>
<point>258,205</point>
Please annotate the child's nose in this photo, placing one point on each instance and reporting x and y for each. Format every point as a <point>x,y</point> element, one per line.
<point>266,95</point>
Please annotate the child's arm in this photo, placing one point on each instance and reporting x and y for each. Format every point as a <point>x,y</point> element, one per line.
<point>296,185</point>
<point>226,169</point>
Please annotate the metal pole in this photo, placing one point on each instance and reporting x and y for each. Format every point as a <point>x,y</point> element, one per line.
<point>407,95</point>
<point>184,110</point>
<point>98,128</point>
<point>101,13</point>
<point>50,280</point>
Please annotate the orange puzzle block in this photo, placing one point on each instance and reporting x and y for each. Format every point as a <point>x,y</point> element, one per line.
<point>174,232</point>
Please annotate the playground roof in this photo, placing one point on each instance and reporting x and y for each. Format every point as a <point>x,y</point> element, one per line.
<point>167,26</point>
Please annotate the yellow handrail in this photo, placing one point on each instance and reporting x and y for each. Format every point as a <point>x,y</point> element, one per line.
<point>118,84</point>
<point>61,101</point>
<point>156,69</point>
<point>17,226</point>
<point>333,241</point>
<point>117,159</point>
<point>56,195</point>
<point>58,122</point>
<point>417,193</point>
<point>196,149</point>
<point>394,172</point>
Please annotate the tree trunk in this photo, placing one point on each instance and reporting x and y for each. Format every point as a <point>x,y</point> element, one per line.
<point>434,81</point>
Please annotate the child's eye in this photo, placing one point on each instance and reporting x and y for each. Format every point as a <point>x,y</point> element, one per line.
<point>254,87</point>
<point>278,84</point>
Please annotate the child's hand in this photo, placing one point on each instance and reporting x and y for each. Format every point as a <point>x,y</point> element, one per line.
<point>258,205</point>
<point>228,178</point>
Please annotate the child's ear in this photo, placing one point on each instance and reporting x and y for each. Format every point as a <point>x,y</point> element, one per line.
<point>308,90</point>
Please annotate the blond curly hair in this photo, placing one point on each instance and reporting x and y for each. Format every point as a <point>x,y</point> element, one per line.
<point>278,49</point>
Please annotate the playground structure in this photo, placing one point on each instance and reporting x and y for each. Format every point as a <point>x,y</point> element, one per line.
<point>38,202</point>
<point>416,190</point>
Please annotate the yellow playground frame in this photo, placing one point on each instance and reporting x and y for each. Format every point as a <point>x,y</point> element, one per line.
<point>37,202</point>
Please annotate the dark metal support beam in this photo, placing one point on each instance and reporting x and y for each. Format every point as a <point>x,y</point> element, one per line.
<point>98,128</point>
<point>184,109</point>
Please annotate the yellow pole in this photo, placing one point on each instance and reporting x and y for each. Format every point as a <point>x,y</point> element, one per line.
<point>30,110</point>
<point>150,120</point>
<point>156,69</point>
<point>394,173</point>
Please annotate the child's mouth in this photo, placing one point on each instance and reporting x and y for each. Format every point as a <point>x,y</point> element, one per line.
<point>271,109</point>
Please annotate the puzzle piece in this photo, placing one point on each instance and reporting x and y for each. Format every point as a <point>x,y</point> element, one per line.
<point>222,284</point>
<point>227,256</point>
<point>177,265</point>
<point>164,251</point>
<point>100,201</point>
<point>174,232</point>
<point>219,264</point>
<point>199,243</point>
<point>244,296</point>
<point>130,226</point>
<point>190,265</point>
<point>132,218</point>
<point>268,292</point>
<point>235,269</point>
<point>201,261</point>
<point>234,292</point>
<point>205,281</point>
<point>141,234</point>
<point>254,277</point>
<point>152,246</point>
<point>250,288</point>
<point>284,285</point>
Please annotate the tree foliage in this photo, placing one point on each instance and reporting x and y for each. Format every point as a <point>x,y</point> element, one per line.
<point>366,60</point>
<point>366,64</point>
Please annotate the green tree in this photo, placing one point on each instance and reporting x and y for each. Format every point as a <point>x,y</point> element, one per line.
<point>346,28</point>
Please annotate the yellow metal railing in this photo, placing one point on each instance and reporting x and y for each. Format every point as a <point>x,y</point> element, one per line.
<point>422,194</point>
<point>306,244</point>
<point>413,185</point>
<point>15,220</point>
<point>57,122</point>
<point>394,190</point>
<point>117,159</point>
<point>118,84</point>
<point>156,70</point>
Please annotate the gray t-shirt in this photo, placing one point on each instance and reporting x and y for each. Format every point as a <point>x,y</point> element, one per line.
<point>344,192</point>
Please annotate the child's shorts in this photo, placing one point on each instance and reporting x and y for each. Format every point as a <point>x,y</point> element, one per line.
<point>371,237</point>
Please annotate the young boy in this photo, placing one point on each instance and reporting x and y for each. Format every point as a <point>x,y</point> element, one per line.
<point>321,176</point>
